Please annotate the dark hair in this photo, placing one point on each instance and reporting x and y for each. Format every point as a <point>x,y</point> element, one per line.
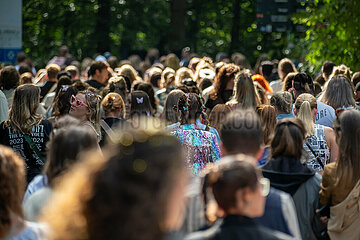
<point>113,62</point>
<point>146,87</point>
<point>155,79</point>
<point>241,132</point>
<point>24,67</point>
<point>355,78</point>
<point>320,79</point>
<point>62,100</point>
<point>21,57</point>
<point>226,73</point>
<point>9,78</point>
<point>267,68</point>
<point>303,83</point>
<point>140,104</point>
<point>191,106</point>
<point>65,147</point>
<point>169,113</point>
<point>348,165</point>
<point>327,68</point>
<point>63,80</point>
<point>237,172</point>
<point>98,65</point>
<point>288,138</point>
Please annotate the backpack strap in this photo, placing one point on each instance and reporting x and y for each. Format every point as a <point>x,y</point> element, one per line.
<point>108,130</point>
<point>318,159</point>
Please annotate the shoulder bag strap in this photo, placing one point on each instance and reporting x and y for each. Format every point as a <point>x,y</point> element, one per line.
<point>33,146</point>
<point>318,159</point>
<point>108,130</point>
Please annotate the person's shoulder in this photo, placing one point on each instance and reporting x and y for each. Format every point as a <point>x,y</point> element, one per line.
<point>46,123</point>
<point>270,234</point>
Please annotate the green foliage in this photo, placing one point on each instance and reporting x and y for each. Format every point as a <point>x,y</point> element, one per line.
<point>333,32</point>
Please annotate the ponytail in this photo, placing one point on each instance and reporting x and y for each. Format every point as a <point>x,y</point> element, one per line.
<point>305,115</point>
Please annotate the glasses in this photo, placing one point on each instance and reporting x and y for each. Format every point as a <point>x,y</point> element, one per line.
<point>77,102</point>
<point>339,110</point>
<point>265,186</point>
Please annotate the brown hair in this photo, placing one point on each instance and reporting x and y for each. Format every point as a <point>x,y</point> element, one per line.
<point>98,65</point>
<point>282,101</point>
<point>12,186</point>
<point>287,84</point>
<point>113,102</point>
<point>22,117</point>
<point>235,173</point>
<point>181,74</point>
<point>288,138</point>
<point>9,78</point>
<point>348,164</point>
<point>218,115</point>
<point>169,113</point>
<point>122,194</point>
<point>52,70</point>
<point>267,116</point>
<point>226,73</point>
<point>25,78</point>
<point>286,66</point>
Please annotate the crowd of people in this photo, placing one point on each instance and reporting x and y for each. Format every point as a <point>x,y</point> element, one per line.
<point>178,148</point>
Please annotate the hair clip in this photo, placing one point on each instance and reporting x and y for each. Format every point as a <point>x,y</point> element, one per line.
<point>140,100</point>
<point>186,108</point>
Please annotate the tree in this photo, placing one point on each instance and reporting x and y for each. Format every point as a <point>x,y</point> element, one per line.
<point>333,32</point>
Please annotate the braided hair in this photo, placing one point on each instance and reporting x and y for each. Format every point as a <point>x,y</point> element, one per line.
<point>191,106</point>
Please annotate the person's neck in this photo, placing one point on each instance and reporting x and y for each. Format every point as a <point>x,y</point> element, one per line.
<point>95,79</point>
<point>191,121</point>
<point>52,80</point>
<point>112,115</point>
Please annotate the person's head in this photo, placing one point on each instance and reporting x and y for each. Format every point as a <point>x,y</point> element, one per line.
<point>267,116</point>
<point>306,110</point>
<point>237,186</point>
<point>339,92</point>
<point>113,104</point>
<point>118,85</point>
<point>341,70</point>
<point>266,69</point>
<point>302,83</point>
<point>181,74</point>
<point>64,148</point>
<point>347,131</point>
<point>148,88</point>
<point>327,69</point>
<point>9,78</point>
<point>282,101</point>
<point>357,91</point>
<point>22,117</point>
<point>63,51</point>
<point>140,104</point>
<point>355,78</point>
<point>131,192</point>
<point>244,91</point>
<point>62,100</point>
<point>241,133</point>
<point>129,72</point>
<point>218,115</point>
<point>167,78</point>
<point>320,79</point>
<point>21,57</point>
<point>240,60</point>
<point>170,113</point>
<point>74,72</point>
<point>172,61</point>
<point>225,79</point>
<point>12,175</point>
<point>52,70</point>
<point>24,67</point>
<point>190,108</point>
<point>288,139</point>
<point>194,61</point>
<point>26,78</point>
<point>98,71</point>
<point>85,106</point>
<point>285,67</point>
<point>288,81</point>
<point>63,81</point>
<point>113,62</point>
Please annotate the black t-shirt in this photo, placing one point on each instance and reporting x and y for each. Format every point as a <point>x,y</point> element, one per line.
<point>17,142</point>
<point>46,88</point>
<point>95,84</point>
<point>112,122</point>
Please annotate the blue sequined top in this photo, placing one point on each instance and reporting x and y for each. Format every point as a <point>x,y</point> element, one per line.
<point>201,146</point>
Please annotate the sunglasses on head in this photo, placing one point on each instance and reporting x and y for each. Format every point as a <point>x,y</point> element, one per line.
<point>77,102</point>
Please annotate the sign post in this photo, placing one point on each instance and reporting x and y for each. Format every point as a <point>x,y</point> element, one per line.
<point>10,30</point>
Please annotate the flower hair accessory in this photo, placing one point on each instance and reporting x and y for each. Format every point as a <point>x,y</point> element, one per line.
<point>140,100</point>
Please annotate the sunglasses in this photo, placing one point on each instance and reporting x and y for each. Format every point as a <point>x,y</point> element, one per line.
<point>77,102</point>
<point>265,186</point>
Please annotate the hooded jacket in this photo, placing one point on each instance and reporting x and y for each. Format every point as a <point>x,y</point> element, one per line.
<point>289,175</point>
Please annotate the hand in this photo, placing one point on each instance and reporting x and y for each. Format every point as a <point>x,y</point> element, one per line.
<point>323,219</point>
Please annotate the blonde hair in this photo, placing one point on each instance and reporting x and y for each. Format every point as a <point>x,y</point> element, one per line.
<point>52,70</point>
<point>181,74</point>
<point>22,117</point>
<point>112,102</point>
<point>93,101</point>
<point>304,105</point>
<point>167,77</point>
<point>341,69</point>
<point>128,71</point>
